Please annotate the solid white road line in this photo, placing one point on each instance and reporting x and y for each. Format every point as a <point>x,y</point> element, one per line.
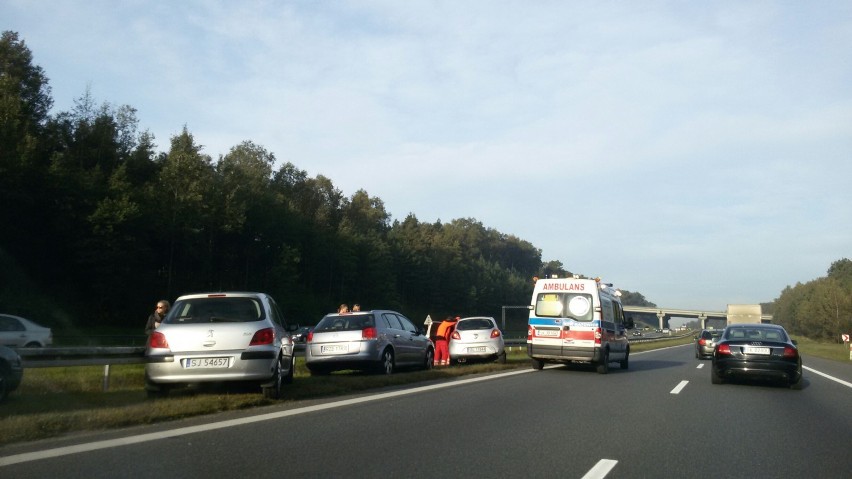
<point>845,383</point>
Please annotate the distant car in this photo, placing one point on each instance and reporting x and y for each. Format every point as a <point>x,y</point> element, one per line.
<point>11,371</point>
<point>637,333</point>
<point>667,331</point>
<point>757,351</point>
<point>380,340</point>
<point>477,337</point>
<point>301,334</point>
<point>18,332</point>
<point>705,342</point>
<point>221,337</point>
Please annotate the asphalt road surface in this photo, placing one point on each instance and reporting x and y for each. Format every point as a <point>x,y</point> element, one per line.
<point>661,418</point>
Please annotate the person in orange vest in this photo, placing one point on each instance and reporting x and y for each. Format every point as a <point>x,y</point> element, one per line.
<point>442,341</point>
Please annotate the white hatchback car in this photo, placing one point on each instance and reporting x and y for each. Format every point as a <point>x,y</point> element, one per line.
<point>221,337</point>
<point>477,337</point>
<point>18,332</point>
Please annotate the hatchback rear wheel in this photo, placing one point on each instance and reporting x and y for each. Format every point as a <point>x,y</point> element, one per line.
<point>273,389</point>
<point>387,365</point>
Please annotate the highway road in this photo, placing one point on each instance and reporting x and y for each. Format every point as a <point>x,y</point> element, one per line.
<point>660,418</point>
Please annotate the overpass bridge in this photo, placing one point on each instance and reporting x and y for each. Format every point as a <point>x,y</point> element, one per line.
<point>714,319</point>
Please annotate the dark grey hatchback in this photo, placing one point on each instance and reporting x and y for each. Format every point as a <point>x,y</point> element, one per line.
<point>757,351</point>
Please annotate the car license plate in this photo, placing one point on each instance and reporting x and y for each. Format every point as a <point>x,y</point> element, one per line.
<point>553,333</point>
<point>755,350</point>
<point>335,348</point>
<point>480,349</point>
<point>201,363</point>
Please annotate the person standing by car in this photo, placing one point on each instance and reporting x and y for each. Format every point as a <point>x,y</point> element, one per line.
<point>157,316</point>
<point>442,341</point>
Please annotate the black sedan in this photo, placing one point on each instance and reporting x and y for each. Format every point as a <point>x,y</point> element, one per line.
<point>11,371</point>
<point>757,351</point>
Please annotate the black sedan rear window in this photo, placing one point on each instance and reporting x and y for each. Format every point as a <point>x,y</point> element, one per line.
<point>757,334</point>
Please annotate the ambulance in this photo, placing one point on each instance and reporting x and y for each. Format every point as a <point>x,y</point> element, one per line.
<point>574,320</point>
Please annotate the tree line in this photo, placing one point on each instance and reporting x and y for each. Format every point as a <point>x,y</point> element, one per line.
<point>103,224</point>
<point>97,225</point>
<point>819,309</point>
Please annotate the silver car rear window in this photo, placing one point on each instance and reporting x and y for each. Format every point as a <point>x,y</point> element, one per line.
<point>345,322</point>
<point>471,324</point>
<point>215,310</point>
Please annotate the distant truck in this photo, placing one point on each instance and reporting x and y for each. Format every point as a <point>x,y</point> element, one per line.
<point>744,313</point>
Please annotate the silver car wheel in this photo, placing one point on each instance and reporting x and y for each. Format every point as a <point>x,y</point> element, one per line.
<point>387,362</point>
<point>274,391</point>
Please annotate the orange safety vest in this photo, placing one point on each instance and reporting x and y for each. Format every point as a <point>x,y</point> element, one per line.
<point>445,329</point>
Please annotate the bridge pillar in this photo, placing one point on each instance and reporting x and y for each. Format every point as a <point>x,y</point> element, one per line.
<point>703,318</point>
<point>661,315</point>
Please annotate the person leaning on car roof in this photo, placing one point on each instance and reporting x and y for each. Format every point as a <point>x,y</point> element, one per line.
<point>442,340</point>
<point>157,316</point>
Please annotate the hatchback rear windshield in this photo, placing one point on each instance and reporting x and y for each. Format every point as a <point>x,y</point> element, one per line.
<point>215,310</point>
<point>471,324</point>
<point>345,322</point>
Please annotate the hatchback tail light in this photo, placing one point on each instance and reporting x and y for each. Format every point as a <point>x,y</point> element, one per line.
<point>790,352</point>
<point>495,333</point>
<point>310,336</point>
<point>456,335</point>
<point>264,336</point>
<point>724,349</point>
<point>369,333</point>
<point>158,340</point>
<point>702,342</point>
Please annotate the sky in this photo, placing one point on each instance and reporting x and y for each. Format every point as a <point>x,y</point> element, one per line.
<point>699,153</point>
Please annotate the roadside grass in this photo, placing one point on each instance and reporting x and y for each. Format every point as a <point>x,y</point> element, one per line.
<point>835,351</point>
<point>55,401</point>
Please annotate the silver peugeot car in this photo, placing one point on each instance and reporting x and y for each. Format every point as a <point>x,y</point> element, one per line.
<point>381,340</point>
<point>477,337</point>
<point>221,337</point>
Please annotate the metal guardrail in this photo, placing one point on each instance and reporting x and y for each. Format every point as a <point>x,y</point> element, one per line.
<point>106,356</point>
<point>80,356</point>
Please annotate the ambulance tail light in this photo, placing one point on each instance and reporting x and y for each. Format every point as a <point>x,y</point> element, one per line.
<point>529,333</point>
<point>598,335</point>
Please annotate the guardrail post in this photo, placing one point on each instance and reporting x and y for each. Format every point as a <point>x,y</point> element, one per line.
<point>106,377</point>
